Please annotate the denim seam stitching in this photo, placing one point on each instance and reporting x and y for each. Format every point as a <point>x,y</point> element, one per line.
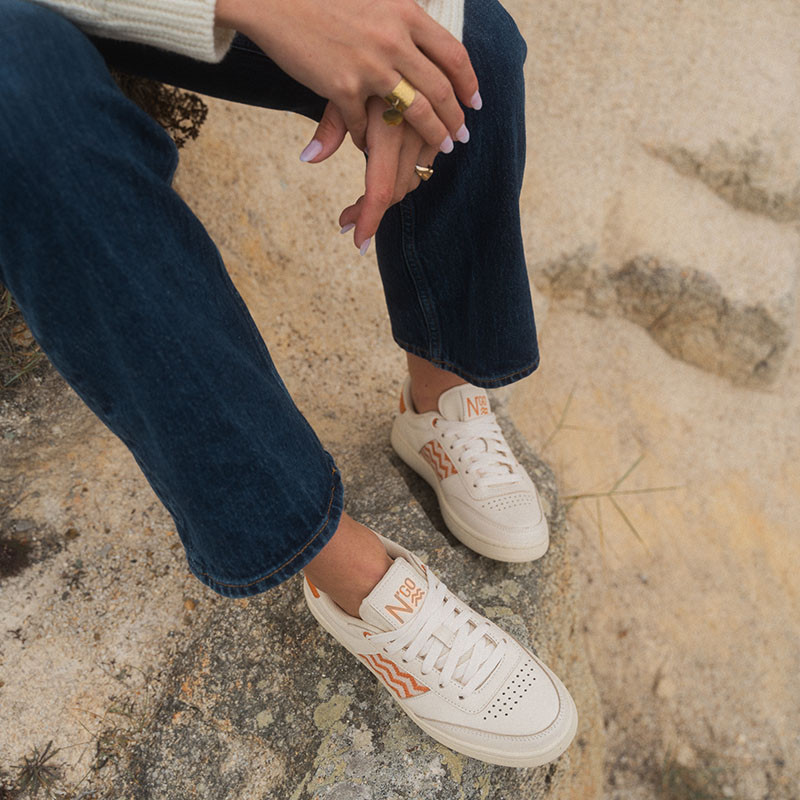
<point>412,265</point>
<point>324,525</point>
<point>464,373</point>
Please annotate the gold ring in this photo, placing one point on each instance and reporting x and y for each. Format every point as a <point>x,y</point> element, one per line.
<point>423,172</point>
<point>400,98</point>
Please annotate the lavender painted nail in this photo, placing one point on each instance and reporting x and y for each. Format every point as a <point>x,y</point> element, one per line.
<point>313,148</point>
<point>348,227</point>
<point>364,246</point>
<point>462,134</point>
<point>476,101</point>
<point>447,145</point>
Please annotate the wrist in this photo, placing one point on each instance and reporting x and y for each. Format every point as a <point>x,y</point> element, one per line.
<point>231,13</point>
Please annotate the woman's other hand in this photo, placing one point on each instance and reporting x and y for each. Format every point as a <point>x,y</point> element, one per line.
<point>348,50</point>
<point>394,151</point>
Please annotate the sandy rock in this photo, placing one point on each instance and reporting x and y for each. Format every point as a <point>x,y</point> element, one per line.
<point>274,702</point>
<point>662,182</point>
<point>222,679</point>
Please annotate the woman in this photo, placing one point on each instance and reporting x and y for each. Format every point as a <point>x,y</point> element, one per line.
<point>127,294</point>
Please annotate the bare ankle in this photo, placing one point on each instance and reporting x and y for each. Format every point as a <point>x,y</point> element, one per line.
<point>350,565</point>
<point>428,382</point>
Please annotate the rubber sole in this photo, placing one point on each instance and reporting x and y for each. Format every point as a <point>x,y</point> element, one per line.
<point>488,755</point>
<point>463,532</point>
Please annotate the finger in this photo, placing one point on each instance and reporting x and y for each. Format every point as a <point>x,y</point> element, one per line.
<point>328,136</point>
<point>410,154</point>
<point>450,55</point>
<point>425,158</point>
<point>384,144</point>
<point>424,118</point>
<point>349,216</point>
<point>355,119</point>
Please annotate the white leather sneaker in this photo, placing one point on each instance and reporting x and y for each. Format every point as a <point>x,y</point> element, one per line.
<point>487,499</point>
<point>462,679</point>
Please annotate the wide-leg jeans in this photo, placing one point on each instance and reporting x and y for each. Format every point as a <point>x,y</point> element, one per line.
<point>128,296</point>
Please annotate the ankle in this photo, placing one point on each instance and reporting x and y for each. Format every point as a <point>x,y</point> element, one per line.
<point>428,382</point>
<point>350,565</point>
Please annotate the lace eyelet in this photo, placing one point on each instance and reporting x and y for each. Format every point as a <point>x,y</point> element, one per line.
<point>461,697</point>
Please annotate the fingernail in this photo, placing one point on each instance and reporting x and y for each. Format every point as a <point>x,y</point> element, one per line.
<point>348,227</point>
<point>364,246</point>
<point>313,148</point>
<point>447,145</point>
<point>462,134</point>
<point>476,101</point>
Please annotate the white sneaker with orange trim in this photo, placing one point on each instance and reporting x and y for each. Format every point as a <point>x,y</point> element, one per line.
<point>462,679</point>
<point>487,499</point>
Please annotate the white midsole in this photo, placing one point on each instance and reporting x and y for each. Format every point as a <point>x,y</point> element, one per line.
<point>489,755</point>
<point>463,532</point>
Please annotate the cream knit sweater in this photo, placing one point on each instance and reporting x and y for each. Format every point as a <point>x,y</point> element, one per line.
<point>187,26</point>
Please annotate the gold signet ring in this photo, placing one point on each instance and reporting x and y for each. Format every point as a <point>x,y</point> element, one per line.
<point>423,172</point>
<point>400,98</point>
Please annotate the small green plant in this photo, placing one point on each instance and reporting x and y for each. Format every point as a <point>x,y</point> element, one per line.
<point>609,494</point>
<point>561,423</point>
<point>612,494</point>
<point>35,773</point>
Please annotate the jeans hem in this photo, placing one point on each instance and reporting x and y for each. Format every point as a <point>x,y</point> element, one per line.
<point>482,381</point>
<point>321,536</point>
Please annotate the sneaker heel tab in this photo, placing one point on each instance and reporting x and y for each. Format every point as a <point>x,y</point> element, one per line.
<point>311,586</point>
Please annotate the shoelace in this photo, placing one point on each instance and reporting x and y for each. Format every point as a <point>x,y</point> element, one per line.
<point>480,444</point>
<point>451,638</point>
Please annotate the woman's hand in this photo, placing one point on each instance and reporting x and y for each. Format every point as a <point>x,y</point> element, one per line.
<point>348,50</point>
<point>394,151</point>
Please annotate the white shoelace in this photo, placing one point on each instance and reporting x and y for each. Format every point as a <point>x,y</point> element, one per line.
<point>479,444</point>
<point>450,638</point>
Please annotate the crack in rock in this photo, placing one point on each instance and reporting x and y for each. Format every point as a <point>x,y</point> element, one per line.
<point>737,175</point>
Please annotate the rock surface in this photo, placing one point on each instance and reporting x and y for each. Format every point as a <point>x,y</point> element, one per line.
<point>114,647</point>
<point>693,620</point>
<point>279,709</point>
<point>662,181</point>
<point>129,665</point>
<point>662,171</point>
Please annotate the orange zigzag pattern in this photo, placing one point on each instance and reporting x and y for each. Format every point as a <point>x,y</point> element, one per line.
<point>401,683</point>
<point>416,596</point>
<point>433,453</point>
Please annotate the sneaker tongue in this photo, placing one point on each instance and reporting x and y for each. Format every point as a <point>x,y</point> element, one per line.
<point>397,597</point>
<point>465,402</point>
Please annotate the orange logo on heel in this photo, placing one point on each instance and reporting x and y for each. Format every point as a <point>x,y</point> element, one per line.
<point>409,595</point>
<point>477,406</point>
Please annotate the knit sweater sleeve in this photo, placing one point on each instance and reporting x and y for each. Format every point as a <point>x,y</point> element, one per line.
<point>187,26</point>
<point>182,26</point>
<point>448,13</point>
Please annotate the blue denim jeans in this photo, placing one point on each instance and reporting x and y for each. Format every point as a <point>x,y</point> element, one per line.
<point>127,294</point>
